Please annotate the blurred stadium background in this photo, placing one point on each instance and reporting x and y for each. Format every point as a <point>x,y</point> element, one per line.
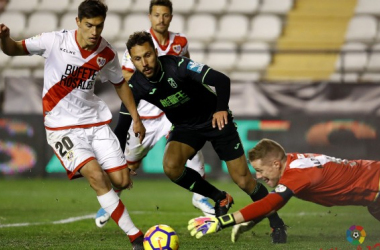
<point>304,73</point>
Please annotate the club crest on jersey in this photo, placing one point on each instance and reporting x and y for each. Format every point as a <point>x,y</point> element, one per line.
<point>172,83</point>
<point>101,61</point>
<point>177,48</point>
<point>70,155</point>
<point>194,66</point>
<point>280,188</point>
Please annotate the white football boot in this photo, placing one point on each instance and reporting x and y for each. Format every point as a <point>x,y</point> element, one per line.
<point>102,217</point>
<point>202,203</point>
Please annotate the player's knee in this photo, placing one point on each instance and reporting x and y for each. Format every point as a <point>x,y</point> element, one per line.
<point>97,181</point>
<point>172,169</point>
<point>121,183</point>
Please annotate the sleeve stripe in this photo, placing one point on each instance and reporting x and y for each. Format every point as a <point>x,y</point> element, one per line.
<point>203,78</point>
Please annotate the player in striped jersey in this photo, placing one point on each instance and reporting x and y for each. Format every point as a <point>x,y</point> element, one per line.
<point>76,121</point>
<point>317,178</point>
<point>154,120</point>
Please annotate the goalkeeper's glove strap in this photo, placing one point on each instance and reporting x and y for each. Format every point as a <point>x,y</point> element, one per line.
<point>226,220</point>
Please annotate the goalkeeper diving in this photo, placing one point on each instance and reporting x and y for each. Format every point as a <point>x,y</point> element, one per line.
<point>317,178</point>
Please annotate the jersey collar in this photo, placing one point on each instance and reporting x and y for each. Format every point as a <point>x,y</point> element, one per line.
<point>86,53</point>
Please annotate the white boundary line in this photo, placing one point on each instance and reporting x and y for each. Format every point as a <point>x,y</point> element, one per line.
<point>92,216</point>
<point>64,221</point>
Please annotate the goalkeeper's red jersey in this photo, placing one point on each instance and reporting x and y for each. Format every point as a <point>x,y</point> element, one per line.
<point>331,181</point>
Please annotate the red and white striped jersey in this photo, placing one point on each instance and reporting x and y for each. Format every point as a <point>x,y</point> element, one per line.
<point>177,45</point>
<point>68,97</point>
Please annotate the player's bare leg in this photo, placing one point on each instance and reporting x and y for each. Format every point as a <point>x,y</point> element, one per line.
<point>240,174</point>
<point>176,154</point>
<point>110,201</point>
<point>102,217</point>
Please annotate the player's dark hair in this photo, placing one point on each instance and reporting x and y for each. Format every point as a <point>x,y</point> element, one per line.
<point>263,148</point>
<point>166,3</point>
<point>139,38</point>
<point>91,9</point>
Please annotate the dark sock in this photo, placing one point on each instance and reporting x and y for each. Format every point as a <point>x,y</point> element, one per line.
<point>259,193</point>
<point>193,181</point>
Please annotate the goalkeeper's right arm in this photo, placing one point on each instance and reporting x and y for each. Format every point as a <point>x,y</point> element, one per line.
<point>256,211</point>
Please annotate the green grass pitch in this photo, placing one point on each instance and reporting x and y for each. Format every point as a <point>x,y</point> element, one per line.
<point>45,204</point>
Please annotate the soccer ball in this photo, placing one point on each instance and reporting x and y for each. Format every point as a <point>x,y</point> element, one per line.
<point>161,237</point>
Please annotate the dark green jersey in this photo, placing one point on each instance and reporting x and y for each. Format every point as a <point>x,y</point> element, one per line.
<point>181,89</point>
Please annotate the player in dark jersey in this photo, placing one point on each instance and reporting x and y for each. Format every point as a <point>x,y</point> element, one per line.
<point>180,88</point>
<point>317,178</point>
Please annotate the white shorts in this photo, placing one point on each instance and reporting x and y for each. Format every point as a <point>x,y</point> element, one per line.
<point>156,129</point>
<point>75,147</point>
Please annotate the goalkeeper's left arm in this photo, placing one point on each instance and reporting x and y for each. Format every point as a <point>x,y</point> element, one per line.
<point>256,211</point>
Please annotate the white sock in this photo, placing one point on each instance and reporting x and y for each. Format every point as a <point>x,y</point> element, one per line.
<point>115,207</point>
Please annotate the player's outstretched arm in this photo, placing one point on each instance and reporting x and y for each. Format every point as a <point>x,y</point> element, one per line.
<point>255,211</point>
<point>9,46</point>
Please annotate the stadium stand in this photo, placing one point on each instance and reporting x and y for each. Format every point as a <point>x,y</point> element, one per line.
<point>4,59</point>
<point>368,7</point>
<point>279,7</point>
<point>243,7</point>
<point>344,77</point>
<point>249,60</point>
<point>183,7</point>
<point>73,6</point>
<point>305,39</point>
<point>222,56</point>
<point>178,23</point>
<point>25,6</point>
<point>57,7</point>
<point>39,22</point>
<point>211,6</point>
<point>311,26</point>
<point>356,32</point>
<point>119,7</point>
<point>132,23</point>
<point>29,62</point>
<point>140,6</point>
<point>265,28</point>
<point>233,27</point>
<point>112,27</point>
<point>16,21</point>
<point>197,51</point>
<point>68,21</point>
<point>374,59</point>
<point>201,27</point>
<point>353,58</point>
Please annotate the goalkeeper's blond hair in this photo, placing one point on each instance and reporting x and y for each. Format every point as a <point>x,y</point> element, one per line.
<point>266,148</point>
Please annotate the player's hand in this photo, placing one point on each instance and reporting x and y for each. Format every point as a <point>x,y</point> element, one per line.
<point>220,119</point>
<point>139,129</point>
<point>4,31</point>
<point>201,226</point>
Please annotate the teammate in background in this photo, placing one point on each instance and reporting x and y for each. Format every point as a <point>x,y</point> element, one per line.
<point>76,121</point>
<point>321,179</point>
<point>180,87</point>
<point>154,120</point>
